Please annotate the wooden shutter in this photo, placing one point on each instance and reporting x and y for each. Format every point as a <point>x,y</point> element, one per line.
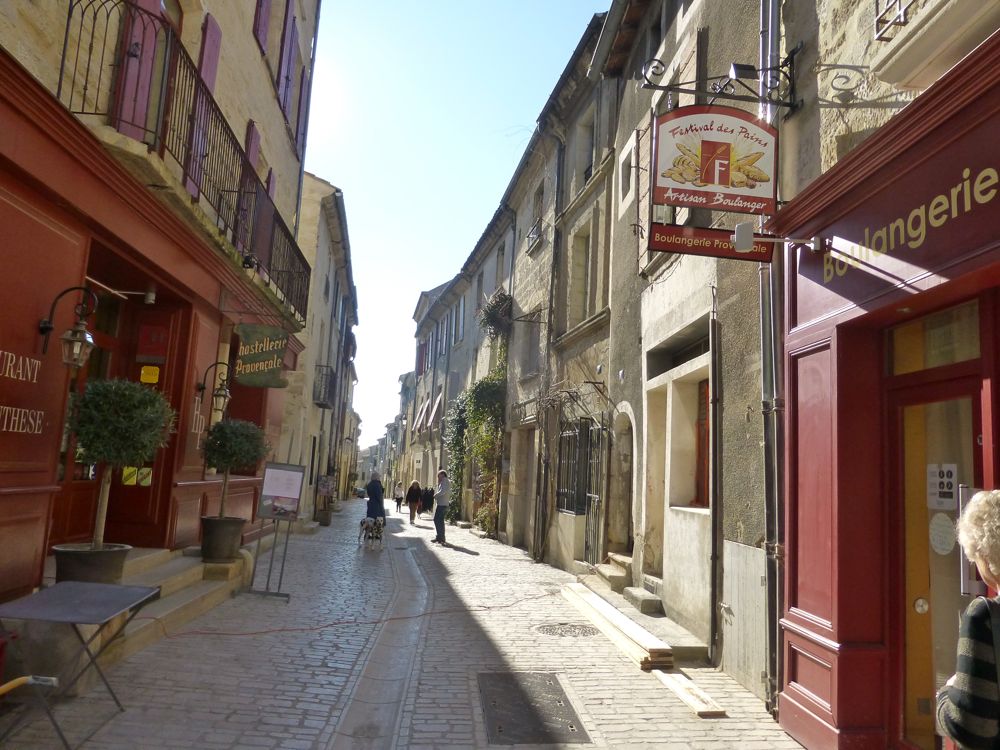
<point>289,38</point>
<point>261,22</point>
<point>271,180</point>
<point>208,67</point>
<point>139,74</point>
<point>300,128</point>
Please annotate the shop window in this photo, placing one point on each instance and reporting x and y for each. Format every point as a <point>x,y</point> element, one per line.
<point>687,469</point>
<point>935,340</point>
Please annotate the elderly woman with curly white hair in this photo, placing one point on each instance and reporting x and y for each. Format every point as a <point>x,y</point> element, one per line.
<point>968,706</point>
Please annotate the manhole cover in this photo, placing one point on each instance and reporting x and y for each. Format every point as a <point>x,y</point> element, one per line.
<point>529,708</point>
<point>567,629</point>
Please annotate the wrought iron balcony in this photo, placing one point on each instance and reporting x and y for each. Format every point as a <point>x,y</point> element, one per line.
<point>129,67</point>
<point>325,387</point>
<point>889,16</point>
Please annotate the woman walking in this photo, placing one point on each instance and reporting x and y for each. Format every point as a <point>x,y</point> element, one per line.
<point>968,706</point>
<point>413,499</point>
<point>397,495</point>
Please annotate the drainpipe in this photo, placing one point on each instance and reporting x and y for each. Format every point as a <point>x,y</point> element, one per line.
<point>715,424</point>
<point>542,517</point>
<point>771,402</point>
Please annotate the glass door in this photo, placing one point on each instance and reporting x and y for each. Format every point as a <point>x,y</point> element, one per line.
<point>937,442</point>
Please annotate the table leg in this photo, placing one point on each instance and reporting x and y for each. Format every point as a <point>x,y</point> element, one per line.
<point>93,661</point>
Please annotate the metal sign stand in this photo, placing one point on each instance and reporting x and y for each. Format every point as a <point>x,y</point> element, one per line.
<point>282,488</point>
<point>266,591</point>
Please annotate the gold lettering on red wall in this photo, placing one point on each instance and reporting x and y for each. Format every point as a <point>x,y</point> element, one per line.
<point>15,418</point>
<point>19,367</point>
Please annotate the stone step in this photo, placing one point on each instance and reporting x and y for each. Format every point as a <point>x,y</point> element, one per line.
<point>642,600</point>
<point>621,561</point>
<point>166,616</point>
<point>142,559</point>
<point>171,576</point>
<point>614,576</point>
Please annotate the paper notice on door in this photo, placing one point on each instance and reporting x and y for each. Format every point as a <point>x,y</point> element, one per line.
<point>942,534</point>
<point>942,486</point>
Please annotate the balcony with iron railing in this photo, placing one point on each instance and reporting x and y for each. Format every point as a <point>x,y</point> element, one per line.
<point>128,68</point>
<point>325,387</point>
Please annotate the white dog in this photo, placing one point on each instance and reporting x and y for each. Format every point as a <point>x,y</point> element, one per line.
<point>371,532</point>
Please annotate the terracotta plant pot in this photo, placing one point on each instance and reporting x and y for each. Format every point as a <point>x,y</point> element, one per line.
<point>80,562</point>
<point>220,538</point>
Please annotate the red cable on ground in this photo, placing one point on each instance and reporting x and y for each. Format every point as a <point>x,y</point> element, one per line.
<point>338,623</point>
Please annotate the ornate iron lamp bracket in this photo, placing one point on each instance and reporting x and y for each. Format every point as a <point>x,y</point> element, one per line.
<point>780,82</point>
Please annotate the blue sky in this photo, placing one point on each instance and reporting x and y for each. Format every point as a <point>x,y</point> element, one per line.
<point>421,111</point>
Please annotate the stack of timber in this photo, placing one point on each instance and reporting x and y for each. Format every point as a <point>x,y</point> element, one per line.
<point>645,649</point>
<point>641,646</point>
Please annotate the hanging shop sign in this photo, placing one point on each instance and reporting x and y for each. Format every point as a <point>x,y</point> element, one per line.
<point>259,361</point>
<point>717,243</point>
<point>719,158</point>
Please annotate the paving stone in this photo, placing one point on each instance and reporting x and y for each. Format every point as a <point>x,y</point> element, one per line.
<point>257,672</point>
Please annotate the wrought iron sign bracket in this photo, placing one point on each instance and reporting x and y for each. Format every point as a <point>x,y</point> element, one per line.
<point>779,80</point>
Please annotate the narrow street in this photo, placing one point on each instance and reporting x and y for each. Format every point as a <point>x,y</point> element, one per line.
<point>385,649</point>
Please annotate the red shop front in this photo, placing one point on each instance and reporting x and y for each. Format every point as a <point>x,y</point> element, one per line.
<point>891,365</point>
<point>71,216</point>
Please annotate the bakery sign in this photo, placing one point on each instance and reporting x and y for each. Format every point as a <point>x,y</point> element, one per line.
<point>719,158</point>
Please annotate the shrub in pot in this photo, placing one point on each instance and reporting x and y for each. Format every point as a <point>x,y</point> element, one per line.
<point>230,444</point>
<point>116,423</point>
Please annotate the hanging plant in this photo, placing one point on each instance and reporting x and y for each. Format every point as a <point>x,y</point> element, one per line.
<point>495,315</point>
<point>455,427</point>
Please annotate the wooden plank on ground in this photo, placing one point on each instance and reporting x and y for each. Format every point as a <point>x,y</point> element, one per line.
<point>626,645</point>
<point>642,637</point>
<point>692,695</point>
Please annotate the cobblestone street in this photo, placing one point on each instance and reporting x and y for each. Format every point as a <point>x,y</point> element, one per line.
<point>384,649</point>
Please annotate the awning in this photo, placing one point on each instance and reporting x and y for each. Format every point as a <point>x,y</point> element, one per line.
<point>420,416</point>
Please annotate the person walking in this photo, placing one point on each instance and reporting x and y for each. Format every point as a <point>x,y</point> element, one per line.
<point>968,706</point>
<point>441,505</point>
<point>413,500</point>
<point>376,493</point>
<point>397,495</point>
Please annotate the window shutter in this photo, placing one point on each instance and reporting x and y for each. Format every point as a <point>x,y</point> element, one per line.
<point>139,74</point>
<point>300,130</point>
<point>208,59</point>
<point>289,38</point>
<point>261,22</point>
<point>271,180</point>
<point>208,66</point>
<point>252,142</point>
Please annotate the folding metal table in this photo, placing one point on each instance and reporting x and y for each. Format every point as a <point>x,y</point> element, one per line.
<point>79,603</point>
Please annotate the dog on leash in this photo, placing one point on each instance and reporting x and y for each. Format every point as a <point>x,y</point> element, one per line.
<point>370,532</point>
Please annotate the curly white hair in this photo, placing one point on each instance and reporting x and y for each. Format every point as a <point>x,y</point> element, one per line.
<point>979,530</point>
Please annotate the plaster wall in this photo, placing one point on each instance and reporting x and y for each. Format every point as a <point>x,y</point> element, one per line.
<point>566,540</point>
<point>687,540</point>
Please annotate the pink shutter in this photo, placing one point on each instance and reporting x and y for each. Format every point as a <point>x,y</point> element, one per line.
<point>285,60</point>
<point>300,129</point>
<point>261,22</point>
<point>271,180</point>
<point>208,67</point>
<point>248,184</point>
<point>252,143</point>
<point>286,100</point>
<point>138,72</point>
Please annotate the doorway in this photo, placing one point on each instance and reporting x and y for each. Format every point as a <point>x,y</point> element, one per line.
<point>938,432</point>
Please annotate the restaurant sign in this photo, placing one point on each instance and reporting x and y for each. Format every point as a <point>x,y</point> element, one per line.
<point>719,158</point>
<point>717,243</point>
<point>260,359</point>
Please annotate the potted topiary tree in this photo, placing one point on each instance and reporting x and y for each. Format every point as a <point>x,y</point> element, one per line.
<point>117,423</point>
<point>230,444</point>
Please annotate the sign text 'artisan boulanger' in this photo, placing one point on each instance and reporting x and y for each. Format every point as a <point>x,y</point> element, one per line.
<point>261,356</point>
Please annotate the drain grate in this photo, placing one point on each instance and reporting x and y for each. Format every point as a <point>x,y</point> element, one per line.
<point>567,630</point>
<point>529,708</point>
